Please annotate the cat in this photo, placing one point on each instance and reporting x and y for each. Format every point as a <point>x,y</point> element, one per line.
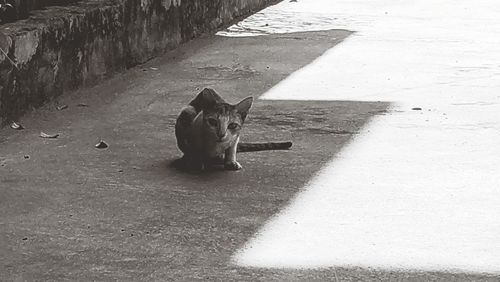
<point>208,132</point>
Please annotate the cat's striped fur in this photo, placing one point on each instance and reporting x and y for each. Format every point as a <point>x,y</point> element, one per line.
<point>208,132</point>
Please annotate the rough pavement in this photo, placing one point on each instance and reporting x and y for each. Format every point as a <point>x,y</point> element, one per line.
<point>69,211</point>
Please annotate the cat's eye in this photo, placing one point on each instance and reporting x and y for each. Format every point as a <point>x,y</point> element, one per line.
<point>232,125</point>
<point>212,122</point>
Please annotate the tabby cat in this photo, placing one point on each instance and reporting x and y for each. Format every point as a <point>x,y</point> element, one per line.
<point>208,132</point>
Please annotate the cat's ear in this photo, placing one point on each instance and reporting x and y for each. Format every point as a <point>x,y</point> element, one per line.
<point>244,106</point>
<point>206,99</point>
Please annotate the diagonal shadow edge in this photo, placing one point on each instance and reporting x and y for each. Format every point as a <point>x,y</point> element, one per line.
<point>198,212</point>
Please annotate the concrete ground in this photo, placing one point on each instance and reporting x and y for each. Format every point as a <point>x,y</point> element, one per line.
<point>417,188</point>
<point>69,211</point>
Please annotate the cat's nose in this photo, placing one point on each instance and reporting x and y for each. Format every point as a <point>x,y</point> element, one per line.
<point>221,135</point>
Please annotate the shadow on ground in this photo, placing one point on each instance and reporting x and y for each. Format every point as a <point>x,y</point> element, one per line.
<point>71,211</point>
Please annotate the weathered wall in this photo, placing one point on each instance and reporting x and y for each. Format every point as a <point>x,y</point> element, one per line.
<point>62,48</point>
<point>22,8</point>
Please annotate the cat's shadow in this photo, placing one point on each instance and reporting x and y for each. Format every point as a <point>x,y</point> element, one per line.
<point>181,165</point>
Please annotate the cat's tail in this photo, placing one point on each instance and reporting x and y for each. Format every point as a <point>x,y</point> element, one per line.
<point>253,147</point>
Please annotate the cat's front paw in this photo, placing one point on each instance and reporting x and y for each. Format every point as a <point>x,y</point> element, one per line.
<point>232,165</point>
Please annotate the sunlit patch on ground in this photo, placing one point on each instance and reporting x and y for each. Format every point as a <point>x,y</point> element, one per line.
<point>418,187</point>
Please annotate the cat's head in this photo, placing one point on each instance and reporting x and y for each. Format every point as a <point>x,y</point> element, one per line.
<point>223,121</point>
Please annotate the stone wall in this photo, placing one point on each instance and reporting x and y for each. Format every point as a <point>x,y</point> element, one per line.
<point>22,8</point>
<point>62,48</point>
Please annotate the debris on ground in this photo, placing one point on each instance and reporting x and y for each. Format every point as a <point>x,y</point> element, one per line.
<point>82,105</point>
<point>101,145</point>
<point>45,135</point>
<point>417,109</point>
<point>26,157</point>
<point>61,107</point>
<point>16,126</point>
